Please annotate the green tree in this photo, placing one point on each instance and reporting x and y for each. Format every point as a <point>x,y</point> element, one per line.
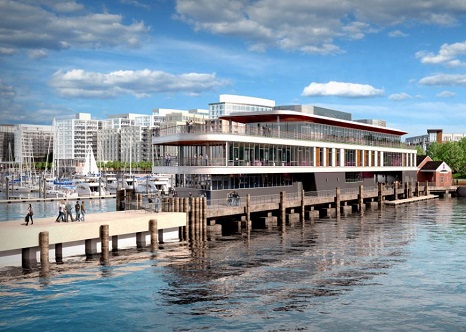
<point>453,155</point>
<point>434,151</point>
<point>420,151</point>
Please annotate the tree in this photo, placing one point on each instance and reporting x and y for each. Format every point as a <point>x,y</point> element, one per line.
<point>434,151</point>
<point>420,151</point>
<point>453,155</point>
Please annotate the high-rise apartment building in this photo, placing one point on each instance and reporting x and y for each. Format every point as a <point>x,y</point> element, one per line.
<point>7,143</point>
<point>33,143</point>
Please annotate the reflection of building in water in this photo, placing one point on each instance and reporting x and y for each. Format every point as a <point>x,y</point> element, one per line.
<point>285,148</point>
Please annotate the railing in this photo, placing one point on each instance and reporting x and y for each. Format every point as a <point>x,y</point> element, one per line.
<point>248,131</point>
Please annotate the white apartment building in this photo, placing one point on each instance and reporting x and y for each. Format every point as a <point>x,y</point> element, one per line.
<point>433,135</point>
<point>233,103</point>
<point>72,137</point>
<point>32,143</point>
<point>7,143</point>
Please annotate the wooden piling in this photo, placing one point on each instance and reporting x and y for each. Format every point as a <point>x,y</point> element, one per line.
<point>303,208</point>
<point>44,252</point>
<point>104,238</point>
<point>337,202</point>
<point>282,207</point>
<point>154,233</point>
<point>395,190</point>
<point>361,198</point>
<point>379,195</point>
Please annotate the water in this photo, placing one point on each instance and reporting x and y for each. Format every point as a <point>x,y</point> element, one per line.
<point>17,210</point>
<point>398,269</point>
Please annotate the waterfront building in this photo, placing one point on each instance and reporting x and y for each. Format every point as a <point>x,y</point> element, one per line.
<point>434,135</point>
<point>233,104</point>
<point>73,135</point>
<point>287,148</point>
<point>436,173</point>
<point>7,145</point>
<point>33,143</point>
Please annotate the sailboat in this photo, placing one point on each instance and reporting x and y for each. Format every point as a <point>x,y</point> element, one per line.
<point>91,184</point>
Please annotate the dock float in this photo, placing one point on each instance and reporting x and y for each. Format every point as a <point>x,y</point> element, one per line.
<point>410,200</point>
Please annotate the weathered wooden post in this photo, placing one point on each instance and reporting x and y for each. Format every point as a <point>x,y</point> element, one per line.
<point>379,195</point>
<point>303,207</point>
<point>104,238</point>
<point>186,210</point>
<point>44,252</point>
<point>282,207</point>
<point>247,211</point>
<point>417,189</point>
<point>204,218</point>
<point>426,189</point>
<point>395,190</point>
<point>153,230</point>
<point>361,198</point>
<point>337,202</point>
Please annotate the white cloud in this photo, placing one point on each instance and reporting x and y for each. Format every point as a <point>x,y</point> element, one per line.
<point>444,79</point>
<point>399,96</point>
<point>447,55</point>
<point>32,26</point>
<point>446,94</point>
<point>312,26</point>
<point>397,33</point>
<point>38,54</point>
<point>78,83</point>
<point>341,89</point>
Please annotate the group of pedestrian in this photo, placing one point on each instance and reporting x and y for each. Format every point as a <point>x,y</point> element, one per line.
<point>65,212</point>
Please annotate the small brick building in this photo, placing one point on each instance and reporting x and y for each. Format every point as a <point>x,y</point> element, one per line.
<point>438,173</point>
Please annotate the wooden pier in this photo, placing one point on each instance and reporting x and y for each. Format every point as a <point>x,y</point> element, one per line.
<point>191,219</point>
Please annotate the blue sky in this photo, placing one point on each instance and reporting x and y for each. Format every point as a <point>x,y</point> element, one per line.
<point>399,61</point>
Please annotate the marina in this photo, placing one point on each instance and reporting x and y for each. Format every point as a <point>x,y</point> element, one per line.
<point>320,276</point>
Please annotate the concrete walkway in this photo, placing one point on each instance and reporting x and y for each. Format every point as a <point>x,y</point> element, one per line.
<point>410,200</point>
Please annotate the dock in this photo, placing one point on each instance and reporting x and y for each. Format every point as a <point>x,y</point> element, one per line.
<point>23,245</point>
<point>410,200</point>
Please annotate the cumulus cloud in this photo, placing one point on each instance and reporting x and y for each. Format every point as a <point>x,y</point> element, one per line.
<point>447,55</point>
<point>43,25</point>
<point>399,96</point>
<point>341,89</point>
<point>312,26</point>
<point>78,83</point>
<point>444,79</point>
<point>446,94</point>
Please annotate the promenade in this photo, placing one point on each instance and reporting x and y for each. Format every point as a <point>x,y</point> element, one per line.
<point>20,244</point>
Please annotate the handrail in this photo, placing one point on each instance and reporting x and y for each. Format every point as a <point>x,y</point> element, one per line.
<point>274,133</point>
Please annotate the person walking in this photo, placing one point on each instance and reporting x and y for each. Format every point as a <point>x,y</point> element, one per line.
<point>61,212</point>
<point>83,211</point>
<point>156,203</point>
<point>68,212</point>
<point>29,215</point>
<point>77,208</point>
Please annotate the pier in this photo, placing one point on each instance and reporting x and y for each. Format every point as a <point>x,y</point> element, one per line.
<point>25,246</point>
<point>190,219</point>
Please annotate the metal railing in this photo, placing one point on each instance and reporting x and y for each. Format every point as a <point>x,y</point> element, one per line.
<point>274,133</point>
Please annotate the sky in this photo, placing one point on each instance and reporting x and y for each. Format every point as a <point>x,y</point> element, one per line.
<point>395,60</point>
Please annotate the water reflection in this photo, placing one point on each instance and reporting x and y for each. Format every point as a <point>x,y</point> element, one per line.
<point>322,274</point>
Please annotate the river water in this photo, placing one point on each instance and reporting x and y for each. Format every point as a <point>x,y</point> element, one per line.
<point>399,269</point>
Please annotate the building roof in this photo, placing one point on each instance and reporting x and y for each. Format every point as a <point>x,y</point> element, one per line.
<point>431,166</point>
<point>420,159</point>
<point>293,116</point>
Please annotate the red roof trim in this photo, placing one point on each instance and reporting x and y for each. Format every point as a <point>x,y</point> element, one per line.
<point>293,116</point>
